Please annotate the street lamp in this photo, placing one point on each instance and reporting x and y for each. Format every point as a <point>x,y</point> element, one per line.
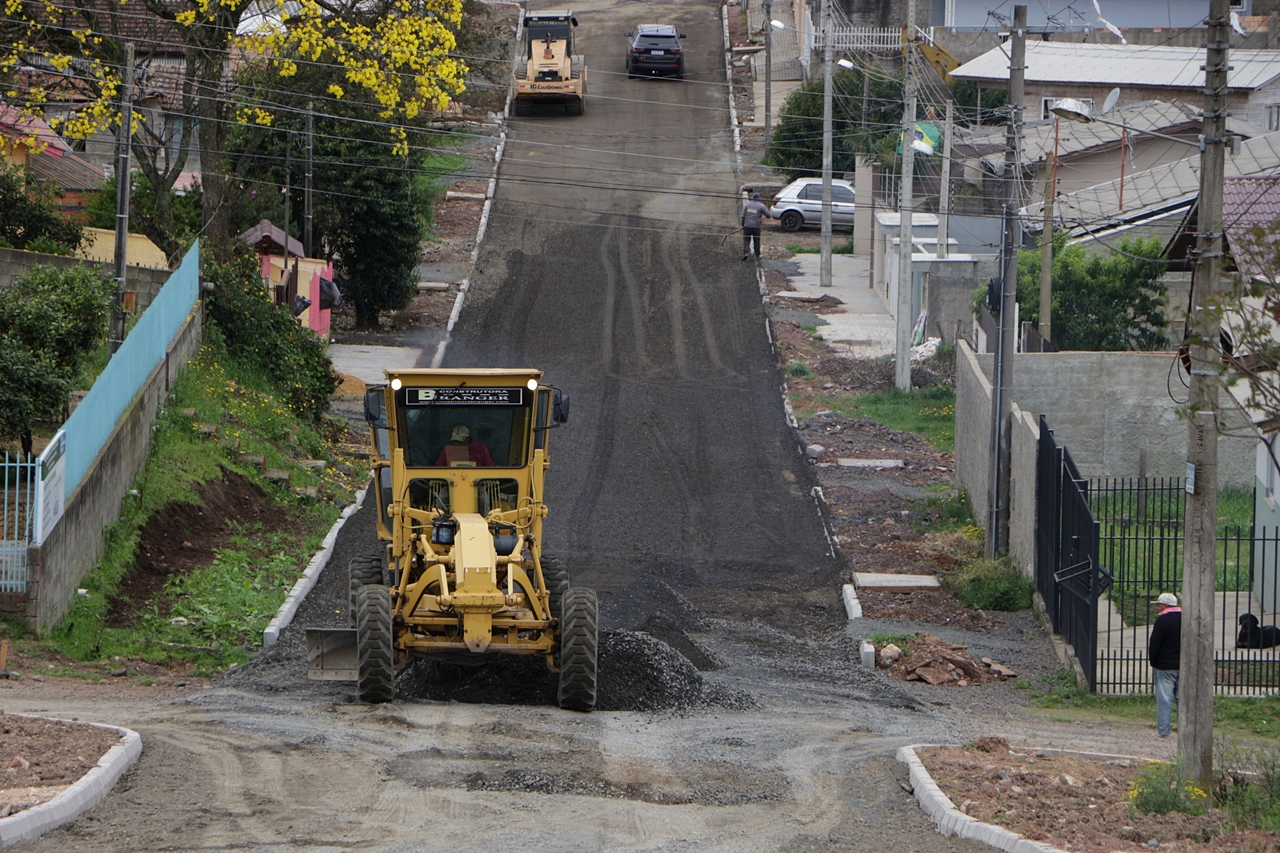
<point>1080,112</point>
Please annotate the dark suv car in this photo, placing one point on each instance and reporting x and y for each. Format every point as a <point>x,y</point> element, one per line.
<point>655,49</point>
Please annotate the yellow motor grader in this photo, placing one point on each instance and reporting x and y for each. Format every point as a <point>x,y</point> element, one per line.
<point>551,72</point>
<point>459,459</point>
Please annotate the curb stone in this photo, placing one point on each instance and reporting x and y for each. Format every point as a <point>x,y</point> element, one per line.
<point>309,577</point>
<point>91,789</point>
<point>951,821</point>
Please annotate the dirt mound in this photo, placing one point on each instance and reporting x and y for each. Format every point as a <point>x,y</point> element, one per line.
<point>638,672</point>
<point>183,537</point>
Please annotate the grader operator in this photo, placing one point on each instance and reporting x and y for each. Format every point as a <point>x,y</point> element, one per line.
<point>460,458</point>
<point>551,72</point>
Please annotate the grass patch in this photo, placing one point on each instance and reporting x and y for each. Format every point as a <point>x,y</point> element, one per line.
<point>997,584</point>
<point>799,370</point>
<point>213,616</point>
<point>902,641</point>
<point>929,412</point>
<point>951,511</point>
<point>845,248</point>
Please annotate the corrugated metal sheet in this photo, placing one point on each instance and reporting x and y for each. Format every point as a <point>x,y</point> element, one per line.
<point>1146,194</point>
<point>1119,65</point>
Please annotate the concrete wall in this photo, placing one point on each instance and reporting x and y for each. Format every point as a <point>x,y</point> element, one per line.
<point>76,544</point>
<point>949,294</point>
<point>1105,407</point>
<point>1025,448</point>
<point>14,263</point>
<point>973,429</point>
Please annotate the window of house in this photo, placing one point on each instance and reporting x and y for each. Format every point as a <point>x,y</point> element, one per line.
<point>1273,117</point>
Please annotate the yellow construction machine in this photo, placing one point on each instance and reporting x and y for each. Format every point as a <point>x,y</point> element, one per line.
<point>551,72</point>
<point>459,459</point>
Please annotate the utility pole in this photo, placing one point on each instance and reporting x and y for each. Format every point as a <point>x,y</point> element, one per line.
<point>944,191</point>
<point>1046,240</point>
<point>768,70</point>
<point>124,142</point>
<point>306,193</point>
<point>1195,705</point>
<point>288,173</point>
<point>1002,405</point>
<point>906,281</point>
<point>824,277</point>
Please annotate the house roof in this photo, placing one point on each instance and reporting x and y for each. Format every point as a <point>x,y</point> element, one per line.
<point>1249,203</point>
<point>69,172</point>
<point>15,125</point>
<point>1152,193</point>
<point>1074,138</point>
<point>1122,65</point>
<point>269,240</point>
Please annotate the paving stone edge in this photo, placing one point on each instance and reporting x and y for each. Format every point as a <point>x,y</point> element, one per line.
<point>86,793</point>
<point>951,821</point>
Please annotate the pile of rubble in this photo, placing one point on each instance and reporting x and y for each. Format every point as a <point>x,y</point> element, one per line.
<point>935,661</point>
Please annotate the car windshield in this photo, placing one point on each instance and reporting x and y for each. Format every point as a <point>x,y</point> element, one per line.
<point>465,427</point>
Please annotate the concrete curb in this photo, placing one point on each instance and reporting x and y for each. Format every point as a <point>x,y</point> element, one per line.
<point>951,821</point>
<point>728,76</point>
<point>91,789</point>
<point>309,577</point>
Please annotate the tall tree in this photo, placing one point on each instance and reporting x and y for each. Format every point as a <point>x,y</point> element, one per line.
<point>396,52</point>
<point>1105,300</point>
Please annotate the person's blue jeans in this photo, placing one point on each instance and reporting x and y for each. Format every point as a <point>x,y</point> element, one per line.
<point>1166,684</point>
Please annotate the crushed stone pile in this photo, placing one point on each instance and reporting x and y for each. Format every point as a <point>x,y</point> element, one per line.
<point>637,672</point>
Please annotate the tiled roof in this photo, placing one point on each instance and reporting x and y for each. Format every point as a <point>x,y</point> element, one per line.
<point>69,172</point>
<point>1121,65</point>
<point>1248,203</point>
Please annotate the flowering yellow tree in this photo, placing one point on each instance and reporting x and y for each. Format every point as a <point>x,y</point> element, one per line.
<point>62,59</point>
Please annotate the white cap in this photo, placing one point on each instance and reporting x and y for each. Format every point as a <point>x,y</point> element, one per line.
<point>1168,599</point>
<point>460,432</point>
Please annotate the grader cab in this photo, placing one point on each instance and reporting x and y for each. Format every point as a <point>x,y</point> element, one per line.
<point>551,72</point>
<point>460,458</point>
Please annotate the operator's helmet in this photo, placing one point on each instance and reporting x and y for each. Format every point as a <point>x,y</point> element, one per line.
<point>461,433</point>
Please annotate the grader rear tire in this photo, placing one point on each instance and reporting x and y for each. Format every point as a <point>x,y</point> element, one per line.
<point>557,579</point>
<point>363,571</point>
<point>375,649</point>
<point>578,645</point>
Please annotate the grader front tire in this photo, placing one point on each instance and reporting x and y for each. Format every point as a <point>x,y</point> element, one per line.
<point>579,642</point>
<point>375,649</point>
<point>557,579</point>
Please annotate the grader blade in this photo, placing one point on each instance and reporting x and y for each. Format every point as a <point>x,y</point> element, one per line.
<point>331,654</point>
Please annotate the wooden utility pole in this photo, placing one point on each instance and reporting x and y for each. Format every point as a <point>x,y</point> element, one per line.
<point>768,70</point>
<point>902,353</point>
<point>824,269</point>
<point>1002,405</point>
<point>1195,704</point>
<point>1046,240</point>
<point>124,142</point>
<point>944,190</point>
<point>306,193</point>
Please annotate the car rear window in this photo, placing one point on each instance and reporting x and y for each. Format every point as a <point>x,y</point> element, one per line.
<point>655,41</point>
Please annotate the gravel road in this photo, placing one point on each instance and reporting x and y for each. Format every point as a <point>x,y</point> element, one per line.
<point>742,720</point>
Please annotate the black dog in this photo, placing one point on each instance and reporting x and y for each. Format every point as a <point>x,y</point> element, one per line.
<point>1255,636</point>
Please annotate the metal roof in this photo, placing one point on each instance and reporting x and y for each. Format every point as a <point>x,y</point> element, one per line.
<point>1120,65</point>
<point>1151,193</point>
<point>1075,138</point>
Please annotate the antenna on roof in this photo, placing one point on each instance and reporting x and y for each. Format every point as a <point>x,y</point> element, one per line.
<point>1110,103</point>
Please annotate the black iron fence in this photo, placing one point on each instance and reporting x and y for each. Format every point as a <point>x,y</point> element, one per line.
<point>1107,547</point>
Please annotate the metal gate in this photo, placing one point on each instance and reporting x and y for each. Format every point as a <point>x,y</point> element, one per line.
<point>1068,575</point>
<point>17,524</point>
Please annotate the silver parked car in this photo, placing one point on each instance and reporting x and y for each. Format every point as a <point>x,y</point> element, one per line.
<point>800,203</point>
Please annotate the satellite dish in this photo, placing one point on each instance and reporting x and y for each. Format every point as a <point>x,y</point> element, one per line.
<point>1110,103</point>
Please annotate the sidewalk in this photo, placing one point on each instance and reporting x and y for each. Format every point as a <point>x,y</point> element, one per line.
<point>862,327</point>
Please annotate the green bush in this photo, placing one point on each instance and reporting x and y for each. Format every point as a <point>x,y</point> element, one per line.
<point>1248,787</point>
<point>266,338</point>
<point>800,370</point>
<point>1162,787</point>
<point>992,585</point>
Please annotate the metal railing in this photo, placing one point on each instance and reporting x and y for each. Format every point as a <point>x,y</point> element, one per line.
<point>17,524</point>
